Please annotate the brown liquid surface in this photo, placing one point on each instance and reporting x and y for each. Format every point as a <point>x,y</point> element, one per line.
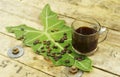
<point>85,44</point>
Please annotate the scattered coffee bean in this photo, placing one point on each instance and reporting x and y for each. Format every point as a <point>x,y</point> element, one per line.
<point>81,58</point>
<point>52,31</point>
<point>65,33</point>
<point>53,54</point>
<point>75,58</point>
<point>20,38</point>
<point>56,58</point>
<point>67,61</point>
<point>73,70</point>
<point>40,42</point>
<point>22,29</point>
<point>42,47</point>
<point>69,51</point>
<point>65,37</point>
<point>47,47</point>
<point>55,47</point>
<point>61,40</point>
<point>48,51</point>
<point>35,42</point>
<point>65,49</point>
<point>44,42</point>
<point>42,51</point>
<point>15,51</point>
<point>59,56</point>
<point>48,54</point>
<point>56,41</point>
<point>63,52</point>
<point>48,42</point>
<point>47,58</point>
<point>37,52</point>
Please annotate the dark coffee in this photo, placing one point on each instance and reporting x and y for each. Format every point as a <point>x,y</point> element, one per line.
<point>84,40</point>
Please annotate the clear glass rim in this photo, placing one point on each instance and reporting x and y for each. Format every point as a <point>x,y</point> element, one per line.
<point>97,24</point>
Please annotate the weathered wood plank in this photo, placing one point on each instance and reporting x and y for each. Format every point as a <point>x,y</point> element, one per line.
<point>97,73</point>
<point>6,20</point>
<point>107,17</point>
<point>11,68</point>
<point>37,61</point>
<point>111,42</point>
<point>105,11</point>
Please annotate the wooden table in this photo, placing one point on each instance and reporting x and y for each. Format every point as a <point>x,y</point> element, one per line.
<point>106,61</point>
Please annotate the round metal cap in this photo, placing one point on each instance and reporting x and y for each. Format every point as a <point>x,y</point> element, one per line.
<point>15,55</point>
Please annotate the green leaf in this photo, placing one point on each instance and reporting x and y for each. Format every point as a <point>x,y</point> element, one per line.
<point>53,42</point>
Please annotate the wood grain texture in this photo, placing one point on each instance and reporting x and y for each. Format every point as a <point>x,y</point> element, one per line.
<point>110,42</point>
<point>36,61</point>
<point>11,68</point>
<point>27,12</point>
<point>31,9</point>
<point>107,12</point>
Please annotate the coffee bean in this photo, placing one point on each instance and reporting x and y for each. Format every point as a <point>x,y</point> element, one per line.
<point>40,42</point>
<point>48,54</point>
<point>42,51</point>
<point>69,51</point>
<point>65,49</point>
<point>65,37</point>
<point>35,42</point>
<point>15,51</point>
<point>75,58</point>
<point>47,47</point>
<point>67,46</point>
<point>67,61</point>
<point>59,56</point>
<point>53,54</point>
<point>48,51</point>
<point>42,47</point>
<point>52,31</point>
<point>73,70</point>
<point>37,51</point>
<point>55,47</point>
<point>56,58</point>
<point>61,40</point>
<point>81,58</point>
<point>44,42</point>
<point>20,38</point>
<point>65,33</point>
<point>56,41</point>
<point>48,42</point>
<point>63,52</point>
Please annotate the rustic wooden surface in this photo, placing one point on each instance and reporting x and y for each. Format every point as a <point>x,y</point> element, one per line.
<point>106,61</point>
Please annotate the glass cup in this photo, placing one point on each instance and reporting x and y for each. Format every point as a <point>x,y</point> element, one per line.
<point>86,34</point>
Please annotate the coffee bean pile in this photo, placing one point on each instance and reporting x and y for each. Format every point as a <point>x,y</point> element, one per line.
<point>80,58</point>
<point>47,48</point>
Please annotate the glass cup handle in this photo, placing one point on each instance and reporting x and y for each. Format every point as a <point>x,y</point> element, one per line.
<point>103,34</point>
